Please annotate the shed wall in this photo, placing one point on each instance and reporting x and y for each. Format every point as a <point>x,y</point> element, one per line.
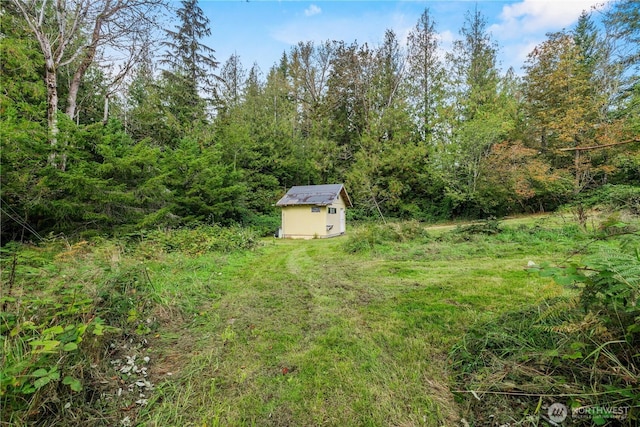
<point>333,219</point>
<point>299,222</point>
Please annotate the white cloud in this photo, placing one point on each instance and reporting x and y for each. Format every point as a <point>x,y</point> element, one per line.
<point>515,55</point>
<point>534,16</point>
<point>312,10</point>
<point>522,25</point>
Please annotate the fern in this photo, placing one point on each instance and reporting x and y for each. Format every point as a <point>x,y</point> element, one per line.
<point>614,284</point>
<point>556,311</point>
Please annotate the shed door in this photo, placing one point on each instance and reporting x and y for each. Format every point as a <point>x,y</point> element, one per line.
<point>343,221</point>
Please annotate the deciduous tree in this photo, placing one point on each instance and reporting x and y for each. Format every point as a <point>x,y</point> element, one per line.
<point>569,99</point>
<point>71,33</point>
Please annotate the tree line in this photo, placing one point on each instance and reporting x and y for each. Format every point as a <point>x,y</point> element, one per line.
<point>100,133</point>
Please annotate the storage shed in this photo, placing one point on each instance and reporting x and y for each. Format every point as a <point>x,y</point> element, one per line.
<point>314,211</point>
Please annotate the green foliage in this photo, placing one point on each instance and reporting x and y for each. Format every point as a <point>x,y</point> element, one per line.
<point>375,236</point>
<point>582,350</point>
<point>202,239</point>
<point>409,140</point>
<point>628,166</point>
<point>50,334</point>
<point>203,188</point>
<point>23,151</point>
<point>264,225</point>
<point>609,283</point>
<point>70,309</point>
<point>23,94</point>
<point>614,197</point>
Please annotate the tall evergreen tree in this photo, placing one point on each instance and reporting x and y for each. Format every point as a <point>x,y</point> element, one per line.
<point>23,139</point>
<point>348,87</point>
<point>230,85</point>
<point>427,74</point>
<point>623,22</point>
<point>473,63</point>
<point>144,116</point>
<point>190,65</point>
<point>623,25</point>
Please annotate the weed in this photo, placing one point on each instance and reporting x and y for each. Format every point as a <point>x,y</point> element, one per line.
<point>74,310</point>
<point>49,337</point>
<point>200,240</point>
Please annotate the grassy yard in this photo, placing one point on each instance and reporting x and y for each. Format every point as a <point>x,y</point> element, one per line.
<point>304,333</point>
<point>351,331</point>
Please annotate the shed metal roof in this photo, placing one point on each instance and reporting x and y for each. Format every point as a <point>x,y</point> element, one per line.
<point>319,195</point>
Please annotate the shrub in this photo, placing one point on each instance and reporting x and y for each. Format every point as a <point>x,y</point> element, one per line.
<point>264,225</point>
<point>373,236</point>
<point>201,239</point>
<point>614,197</point>
<point>489,226</point>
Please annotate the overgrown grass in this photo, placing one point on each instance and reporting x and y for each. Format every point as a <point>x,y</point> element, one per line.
<point>352,331</point>
<point>75,316</point>
<point>357,330</point>
<point>580,351</point>
<point>294,343</point>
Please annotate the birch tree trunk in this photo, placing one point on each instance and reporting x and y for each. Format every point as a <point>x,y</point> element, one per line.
<point>51,80</point>
<point>60,27</point>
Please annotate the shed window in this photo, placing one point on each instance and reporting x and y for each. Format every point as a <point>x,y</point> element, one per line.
<point>332,210</point>
<point>315,208</point>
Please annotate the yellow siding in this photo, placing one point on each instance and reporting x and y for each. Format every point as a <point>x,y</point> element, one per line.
<point>299,222</point>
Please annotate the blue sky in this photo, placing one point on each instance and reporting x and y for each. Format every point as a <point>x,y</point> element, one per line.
<point>261,30</point>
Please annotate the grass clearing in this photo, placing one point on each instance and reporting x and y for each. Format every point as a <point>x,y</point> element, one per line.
<point>306,334</point>
<point>357,330</point>
<point>300,342</point>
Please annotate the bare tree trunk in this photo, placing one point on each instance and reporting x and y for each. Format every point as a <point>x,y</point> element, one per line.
<point>89,53</point>
<point>105,114</point>
<point>52,111</point>
<point>35,23</point>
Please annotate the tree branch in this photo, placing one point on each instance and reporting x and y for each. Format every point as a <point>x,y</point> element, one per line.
<point>595,147</point>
